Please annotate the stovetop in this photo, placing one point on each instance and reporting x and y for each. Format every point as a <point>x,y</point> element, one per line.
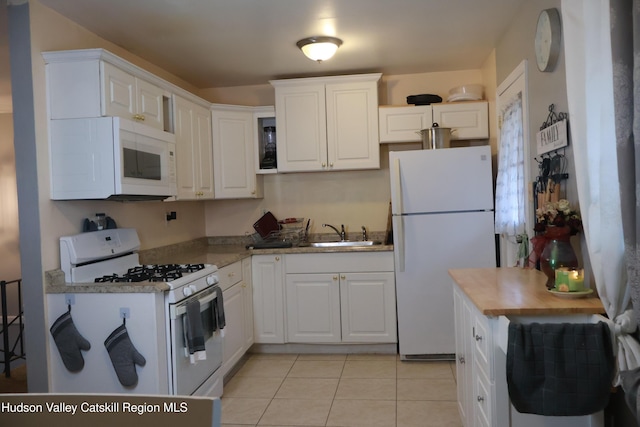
<point>152,273</point>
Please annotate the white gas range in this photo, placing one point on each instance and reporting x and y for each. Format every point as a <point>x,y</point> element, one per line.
<point>152,329</point>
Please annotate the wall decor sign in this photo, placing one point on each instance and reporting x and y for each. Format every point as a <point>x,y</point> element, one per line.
<point>553,137</point>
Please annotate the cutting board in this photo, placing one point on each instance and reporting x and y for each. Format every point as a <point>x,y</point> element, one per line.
<point>266,225</point>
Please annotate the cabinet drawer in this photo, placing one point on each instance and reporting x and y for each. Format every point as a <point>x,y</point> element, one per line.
<point>482,398</point>
<point>483,343</point>
<point>230,275</point>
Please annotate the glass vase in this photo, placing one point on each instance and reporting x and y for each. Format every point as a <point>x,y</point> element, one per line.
<point>557,253</point>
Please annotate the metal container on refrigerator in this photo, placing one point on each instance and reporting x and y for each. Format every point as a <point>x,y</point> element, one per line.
<point>442,215</point>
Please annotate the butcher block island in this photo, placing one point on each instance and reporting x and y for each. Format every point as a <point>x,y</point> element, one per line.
<point>486,301</point>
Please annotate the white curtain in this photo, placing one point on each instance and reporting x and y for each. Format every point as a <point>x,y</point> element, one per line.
<point>589,75</point>
<point>510,186</point>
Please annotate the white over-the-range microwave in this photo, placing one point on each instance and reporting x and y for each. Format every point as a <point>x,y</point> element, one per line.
<point>111,158</point>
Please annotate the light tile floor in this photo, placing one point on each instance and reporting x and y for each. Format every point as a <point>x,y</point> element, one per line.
<point>340,391</point>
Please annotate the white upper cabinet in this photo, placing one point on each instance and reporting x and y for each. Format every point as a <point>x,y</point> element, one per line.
<point>327,123</point>
<point>193,146</point>
<point>95,83</point>
<point>469,120</point>
<point>404,123</point>
<point>132,98</point>
<point>233,152</point>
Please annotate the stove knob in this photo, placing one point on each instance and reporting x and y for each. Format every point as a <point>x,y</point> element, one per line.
<point>194,288</point>
<point>187,291</point>
<point>212,280</point>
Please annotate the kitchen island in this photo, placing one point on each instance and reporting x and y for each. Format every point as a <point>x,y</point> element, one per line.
<point>485,302</point>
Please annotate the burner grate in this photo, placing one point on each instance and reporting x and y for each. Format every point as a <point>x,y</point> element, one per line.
<point>152,273</point>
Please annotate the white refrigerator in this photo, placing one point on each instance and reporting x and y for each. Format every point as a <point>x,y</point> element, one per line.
<point>442,214</point>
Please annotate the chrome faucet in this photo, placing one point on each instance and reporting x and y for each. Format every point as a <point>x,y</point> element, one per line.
<point>342,233</point>
<point>364,234</point>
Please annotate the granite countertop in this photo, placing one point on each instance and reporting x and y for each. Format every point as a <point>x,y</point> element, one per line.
<point>518,291</point>
<point>199,251</point>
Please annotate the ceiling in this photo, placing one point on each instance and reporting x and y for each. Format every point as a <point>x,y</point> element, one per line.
<point>220,43</point>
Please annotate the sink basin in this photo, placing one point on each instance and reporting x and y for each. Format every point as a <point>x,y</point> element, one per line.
<point>346,243</point>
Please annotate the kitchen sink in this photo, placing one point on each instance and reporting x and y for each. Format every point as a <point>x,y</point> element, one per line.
<point>344,243</point>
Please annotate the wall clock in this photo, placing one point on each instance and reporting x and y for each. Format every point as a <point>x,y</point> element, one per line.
<point>547,41</point>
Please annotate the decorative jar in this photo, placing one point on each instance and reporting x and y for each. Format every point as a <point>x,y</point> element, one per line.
<point>557,253</point>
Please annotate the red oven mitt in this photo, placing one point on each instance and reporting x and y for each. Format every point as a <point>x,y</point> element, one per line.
<point>124,356</point>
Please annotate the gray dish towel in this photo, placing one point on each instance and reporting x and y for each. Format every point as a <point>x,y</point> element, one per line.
<point>559,369</point>
<point>194,332</point>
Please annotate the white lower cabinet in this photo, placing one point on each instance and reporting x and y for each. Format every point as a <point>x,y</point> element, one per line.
<point>464,358</point>
<point>476,387</point>
<point>238,308</point>
<point>268,298</point>
<point>340,298</point>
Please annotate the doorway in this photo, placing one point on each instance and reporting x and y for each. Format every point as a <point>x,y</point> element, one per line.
<point>514,87</point>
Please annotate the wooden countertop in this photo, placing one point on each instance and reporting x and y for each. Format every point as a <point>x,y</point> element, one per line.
<point>518,291</point>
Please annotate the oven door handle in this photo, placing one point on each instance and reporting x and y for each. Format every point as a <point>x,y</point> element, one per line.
<point>180,309</point>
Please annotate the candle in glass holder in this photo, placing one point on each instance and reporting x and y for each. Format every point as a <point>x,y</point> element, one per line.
<point>562,279</point>
<point>576,280</point>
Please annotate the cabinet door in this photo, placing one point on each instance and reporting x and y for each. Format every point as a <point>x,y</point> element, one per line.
<point>247,297</point>
<point>268,299</point>
<point>464,357</point>
<point>150,102</point>
<point>132,98</point>
<point>352,126</point>
<point>203,162</point>
<point>119,92</point>
<point>302,129</point>
<point>233,342</point>
<point>313,308</point>
<point>234,172</point>
<point>403,124</point>
<point>470,120</point>
<point>368,307</point>
<point>185,153</point>
<point>193,146</point>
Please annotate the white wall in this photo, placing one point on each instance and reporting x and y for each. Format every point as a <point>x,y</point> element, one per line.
<point>545,88</point>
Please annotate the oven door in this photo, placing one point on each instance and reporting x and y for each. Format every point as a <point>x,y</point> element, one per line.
<point>187,377</point>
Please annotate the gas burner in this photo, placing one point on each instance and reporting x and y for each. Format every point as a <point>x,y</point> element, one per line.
<point>152,273</point>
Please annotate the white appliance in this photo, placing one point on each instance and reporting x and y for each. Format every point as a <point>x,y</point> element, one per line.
<point>111,158</point>
<point>442,214</point>
<point>154,315</point>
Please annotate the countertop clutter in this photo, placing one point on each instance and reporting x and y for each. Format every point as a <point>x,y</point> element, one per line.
<point>518,291</point>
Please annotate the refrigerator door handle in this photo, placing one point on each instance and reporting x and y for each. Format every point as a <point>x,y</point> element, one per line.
<point>398,236</point>
<point>396,205</point>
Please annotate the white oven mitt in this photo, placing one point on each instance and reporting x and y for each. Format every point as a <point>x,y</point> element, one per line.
<point>69,342</point>
<point>124,356</point>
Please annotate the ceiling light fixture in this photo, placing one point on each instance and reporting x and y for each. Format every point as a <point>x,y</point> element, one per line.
<point>319,48</point>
